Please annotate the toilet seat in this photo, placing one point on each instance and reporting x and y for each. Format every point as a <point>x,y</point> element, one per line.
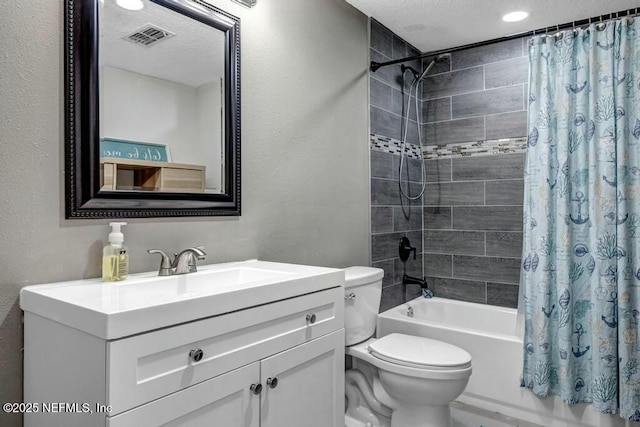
<point>361,351</point>
<point>419,352</point>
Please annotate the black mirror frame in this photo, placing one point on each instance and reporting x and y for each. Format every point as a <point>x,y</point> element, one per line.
<point>82,140</point>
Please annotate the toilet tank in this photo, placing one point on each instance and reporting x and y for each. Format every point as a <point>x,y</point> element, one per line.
<point>363,289</point>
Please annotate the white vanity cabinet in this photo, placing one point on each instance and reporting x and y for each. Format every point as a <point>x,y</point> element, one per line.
<point>277,364</point>
<point>308,386</point>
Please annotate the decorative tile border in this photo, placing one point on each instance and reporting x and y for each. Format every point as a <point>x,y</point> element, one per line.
<point>478,148</point>
<point>393,146</point>
<point>448,151</point>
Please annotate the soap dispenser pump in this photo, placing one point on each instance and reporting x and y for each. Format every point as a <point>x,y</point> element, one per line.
<point>115,260</point>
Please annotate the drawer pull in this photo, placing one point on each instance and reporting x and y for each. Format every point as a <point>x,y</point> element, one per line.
<point>196,355</point>
<point>350,296</point>
<point>256,388</point>
<point>311,318</point>
<point>272,382</point>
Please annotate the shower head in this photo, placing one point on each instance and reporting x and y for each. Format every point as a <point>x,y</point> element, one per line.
<point>439,58</point>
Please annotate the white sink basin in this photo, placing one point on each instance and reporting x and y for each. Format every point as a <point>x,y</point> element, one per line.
<point>146,301</point>
<point>204,281</point>
<point>237,276</point>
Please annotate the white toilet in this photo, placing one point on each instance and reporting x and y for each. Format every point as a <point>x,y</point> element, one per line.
<point>417,378</point>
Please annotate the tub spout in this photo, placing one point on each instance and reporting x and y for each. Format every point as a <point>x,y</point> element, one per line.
<point>409,280</point>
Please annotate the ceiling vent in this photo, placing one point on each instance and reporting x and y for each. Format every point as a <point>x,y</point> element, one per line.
<point>148,35</point>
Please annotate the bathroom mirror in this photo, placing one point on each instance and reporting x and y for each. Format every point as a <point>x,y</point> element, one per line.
<point>152,109</point>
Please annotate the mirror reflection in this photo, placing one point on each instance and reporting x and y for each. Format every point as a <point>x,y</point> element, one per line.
<point>161,97</point>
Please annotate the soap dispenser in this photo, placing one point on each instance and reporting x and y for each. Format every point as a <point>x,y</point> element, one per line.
<point>115,260</point>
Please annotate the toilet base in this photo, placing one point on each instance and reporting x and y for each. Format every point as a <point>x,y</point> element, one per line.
<point>421,416</point>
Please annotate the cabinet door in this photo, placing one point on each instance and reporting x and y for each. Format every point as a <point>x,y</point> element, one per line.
<point>310,385</point>
<point>223,401</point>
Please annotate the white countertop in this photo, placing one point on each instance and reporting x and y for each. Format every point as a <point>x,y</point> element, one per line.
<point>145,301</point>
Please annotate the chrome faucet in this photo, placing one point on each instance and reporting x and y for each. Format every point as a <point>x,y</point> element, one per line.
<point>183,262</point>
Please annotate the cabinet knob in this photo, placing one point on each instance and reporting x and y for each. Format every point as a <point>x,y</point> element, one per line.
<point>311,318</point>
<point>351,296</point>
<point>196,355</point>
<point>256,388</point>
<point>272,382</point>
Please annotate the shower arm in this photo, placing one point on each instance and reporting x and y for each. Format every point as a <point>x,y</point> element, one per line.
<point>375,65</point>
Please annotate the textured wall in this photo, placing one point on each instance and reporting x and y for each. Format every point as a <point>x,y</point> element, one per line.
<point>304,140</point>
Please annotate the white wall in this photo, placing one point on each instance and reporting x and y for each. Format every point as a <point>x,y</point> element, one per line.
<point>210,131</point>
<point>305,185</point>
<point>141,108</point>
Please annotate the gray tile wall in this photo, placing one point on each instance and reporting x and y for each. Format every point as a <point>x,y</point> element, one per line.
<point>391,217</point>
<point>479,95</point>
<point>389,89</point>
<point>473,228</point>
<point>473,205</point>
<point>468,225</point>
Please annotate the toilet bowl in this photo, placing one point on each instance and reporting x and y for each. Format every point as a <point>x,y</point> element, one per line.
<point>416,377</point>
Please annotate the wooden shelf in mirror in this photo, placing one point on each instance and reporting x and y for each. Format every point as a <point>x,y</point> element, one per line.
<point>142,175</point>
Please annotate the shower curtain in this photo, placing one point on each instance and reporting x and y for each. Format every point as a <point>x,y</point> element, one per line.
<point>581,261</point>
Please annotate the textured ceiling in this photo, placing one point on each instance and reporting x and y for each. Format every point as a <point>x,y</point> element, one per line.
<point>194,56</point>
<point>440,24</point>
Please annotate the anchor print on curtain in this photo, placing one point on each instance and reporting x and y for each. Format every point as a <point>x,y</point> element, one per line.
<point>581,261</point>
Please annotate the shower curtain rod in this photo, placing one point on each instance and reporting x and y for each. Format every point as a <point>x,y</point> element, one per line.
<point>629,12</point>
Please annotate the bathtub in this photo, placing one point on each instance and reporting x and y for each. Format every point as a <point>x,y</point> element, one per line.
<point>489,334</point>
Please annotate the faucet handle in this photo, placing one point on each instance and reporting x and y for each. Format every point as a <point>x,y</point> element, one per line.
<point>405,249</point>
<point>193,256</point>
<point>165,263</point>
<point>193,253</point>
<point>201,249</point>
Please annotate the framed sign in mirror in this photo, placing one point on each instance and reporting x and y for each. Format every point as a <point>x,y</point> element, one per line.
<point>152,109</point>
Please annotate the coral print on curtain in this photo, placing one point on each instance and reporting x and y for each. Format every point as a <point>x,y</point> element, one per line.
<point>581,268</point>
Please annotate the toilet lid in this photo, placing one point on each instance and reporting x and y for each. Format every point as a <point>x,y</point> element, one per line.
<point>419,352</point>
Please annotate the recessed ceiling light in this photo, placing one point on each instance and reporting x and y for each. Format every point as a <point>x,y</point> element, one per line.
<point>515,16</point>
<point>130,4</point>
